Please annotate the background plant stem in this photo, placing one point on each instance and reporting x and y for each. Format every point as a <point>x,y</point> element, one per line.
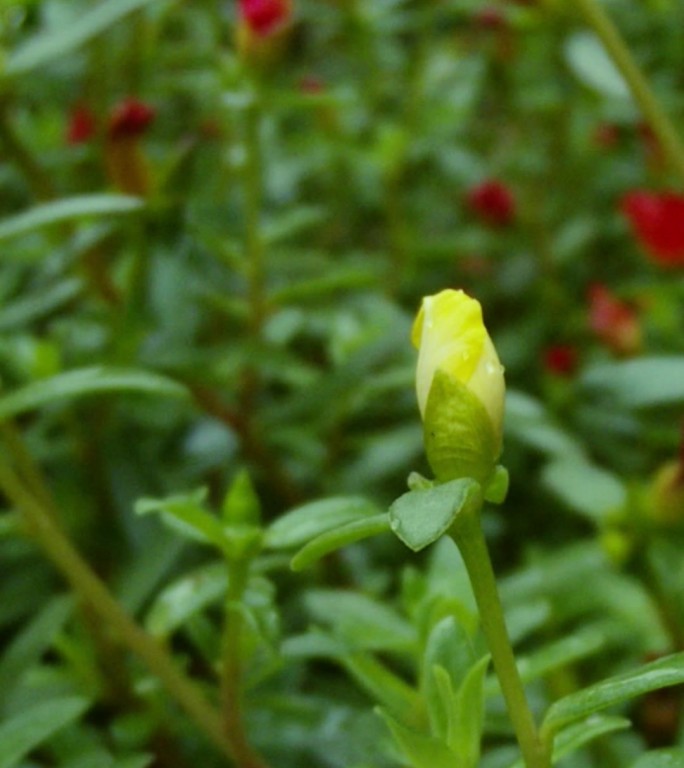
<point>253,192</point>
<point>232,678</point>
<point>648,103</point>
<point>95,594</point>
<point>468,535</point>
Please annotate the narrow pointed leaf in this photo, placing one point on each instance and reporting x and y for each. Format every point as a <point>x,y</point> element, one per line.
<point>50,45</point>
<point>339,537</point>
<point>24,732</point>
<point>68,209</point>
<point>663,673</point>
<point>86,381</point>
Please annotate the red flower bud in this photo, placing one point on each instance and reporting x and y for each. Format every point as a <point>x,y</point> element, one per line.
<point>82,125</point>
<point>657,220</point>
<point>311,85</point>
<point>493,202</point>
<point>606,135</point>
<point>489,17</point>
<point>130,118</point>
<point>561,359</point>
<point>613,321</point>
<point>264,16</point>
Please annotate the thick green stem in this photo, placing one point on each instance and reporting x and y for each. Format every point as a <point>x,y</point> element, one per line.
<point>95,594</point>
<point>468,535</point>
<point>653,112</point>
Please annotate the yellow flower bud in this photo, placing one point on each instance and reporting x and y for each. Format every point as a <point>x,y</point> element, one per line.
<point>460,387</point>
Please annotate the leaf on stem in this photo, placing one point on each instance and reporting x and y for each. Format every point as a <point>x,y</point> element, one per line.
<point>68,209</point>
<point>24,732</point>
<point>86,381</point>
<point>53,44</point>
<point>663,673</point>
<point>339,537</point>
<point>420,517</point>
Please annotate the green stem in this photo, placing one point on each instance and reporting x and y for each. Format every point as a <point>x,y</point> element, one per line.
<point>253,191</point>
<point>468,535</point>
<point>232,677</point>
<point>95,594</point>
<point>654,114</point>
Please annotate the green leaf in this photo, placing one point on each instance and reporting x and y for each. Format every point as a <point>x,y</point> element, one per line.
<point>422,751</point>
<point>661,758</point>
<point>364,623</point>
<point>339,537</point>
<point>665,672</point>
<point>642,383</point>
<point>68,209</point>
<point>185,597</point>
<point>51,45</point>
<point>444,709</point>
<point>33,307</point>
<point>86,381</point>
<point>528,422</point>
<point>385,687</point>
<point>33,640</point>
<point>568,650</point>
<point>303,523</point>
<point>26,731</point>
<point>585,488</point>
<point>448,646</point>
<point>317,288</point>
<point>420,517</point>
<point>465,735</point>
<point>524,619</point>
<point>241,504</point>
<point>577,735</point>
<point>593,67</point>
<point>185,514</point>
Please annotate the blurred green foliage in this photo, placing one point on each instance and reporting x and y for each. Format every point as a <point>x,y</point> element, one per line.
<point>232,288</point>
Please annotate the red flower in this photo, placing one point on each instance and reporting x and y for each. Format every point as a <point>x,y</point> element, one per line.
<point>657,219</point>
<point>311,85</point>
<point>130,118</point>
<point>613,321</point>
<point>561,359</point>
<point>264,16</point>
<point>81,126</point>
<point>607,135</point>
<point>489,17</point>
<point>493,202</point>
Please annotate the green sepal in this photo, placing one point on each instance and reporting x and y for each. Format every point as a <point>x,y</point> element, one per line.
<point>416,482</point>
<point>420,517</point>
<point>241,504</point>
<point>497,488</point>
<point>458,433</point>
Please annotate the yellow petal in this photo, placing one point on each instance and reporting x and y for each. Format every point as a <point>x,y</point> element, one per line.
<point>450,336</point>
